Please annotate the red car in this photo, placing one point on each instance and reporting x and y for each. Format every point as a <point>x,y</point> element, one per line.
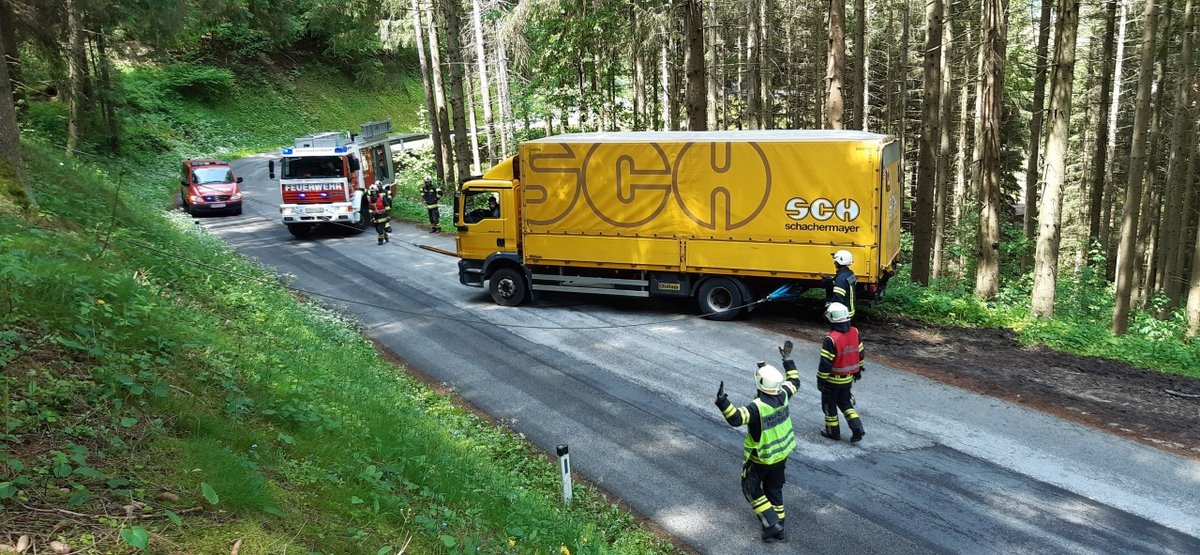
<point>208,185</point>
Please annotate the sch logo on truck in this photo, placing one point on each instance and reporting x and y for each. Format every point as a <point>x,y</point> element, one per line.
<point>822,209</point>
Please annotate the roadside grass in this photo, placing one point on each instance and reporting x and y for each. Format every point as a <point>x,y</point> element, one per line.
<point>1081,323</point>
<point>175,397</point>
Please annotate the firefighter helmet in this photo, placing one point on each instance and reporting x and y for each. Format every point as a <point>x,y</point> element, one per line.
<point>843,258</point>
<point>768,378</point>
<point>837,313</point>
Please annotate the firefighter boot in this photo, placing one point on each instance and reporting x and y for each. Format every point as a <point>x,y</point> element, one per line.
<point>772,528</point>
<point>380,239</point>
<point>832,430</point>
<point>856,427</point>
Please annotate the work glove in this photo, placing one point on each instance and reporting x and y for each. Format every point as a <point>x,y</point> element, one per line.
<point>785,351</point>
<point>858,375</point>
<point>721,396</point>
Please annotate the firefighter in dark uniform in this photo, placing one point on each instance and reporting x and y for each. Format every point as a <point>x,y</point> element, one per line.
<point>381,213</point>
<point>841,365</point>
<point>430,194</point>
<point>842,289</point>
<point>769,440</point>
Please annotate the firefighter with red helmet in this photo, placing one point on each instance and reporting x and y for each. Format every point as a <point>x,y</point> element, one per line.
<point>769,440</point>
<point>381,212</point>
<point>841,365</point>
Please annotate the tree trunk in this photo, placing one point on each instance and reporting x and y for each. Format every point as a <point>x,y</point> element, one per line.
<point>108,93</point>
<point>10,134</point>
<point>1045,273</point>
<point>469,96</point>
<point>710,85</point>
<point>1193,301</point>
<point>439,99</point>
<point>454,58</point>
<point>835,77</point>
<point>668,102</point>
<point>75,68</point>
<point>753,100</point>
<point>1147,267</point>
<point>1126,256</point>
<point>1107,202</point>
<point>903,119</point>
<point>926,185</point>
<point>945,154</point>
<point>1035,124</point>
<point>12,54</point>
<point>766,118</point>
<point>505,100</point>
<point>435,134</point>
<point>484,85</point>
<point>1100,162</point>
<point>696,100</point>
<point>993,34</point>
<point>1175,226</point>
<point>639,71</point>
<point>858,73</point>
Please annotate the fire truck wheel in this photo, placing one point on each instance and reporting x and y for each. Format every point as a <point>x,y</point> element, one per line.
<point>720,299</point>
<point>364,217</point>
<point>507,287</point>
<point>300,231</point>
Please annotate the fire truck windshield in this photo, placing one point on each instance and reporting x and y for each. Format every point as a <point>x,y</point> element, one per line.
<point>213,175</point>
<point>304,167</point>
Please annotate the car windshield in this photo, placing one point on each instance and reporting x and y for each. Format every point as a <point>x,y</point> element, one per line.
<point>312,166</point>
<point>213,175</point>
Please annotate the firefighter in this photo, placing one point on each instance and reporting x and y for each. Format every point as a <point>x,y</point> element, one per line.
<point>430,194</point>
<point>381,213</point>
<point>842,288</point>
<point>769,440</point>
<point>386,193</point>
<point>841,365</point>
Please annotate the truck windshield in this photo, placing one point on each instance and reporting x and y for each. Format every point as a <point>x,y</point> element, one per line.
<point>213,175</point>
<point>312,166</point>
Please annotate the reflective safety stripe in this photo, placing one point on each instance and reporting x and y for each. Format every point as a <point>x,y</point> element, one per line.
<point>728,411</point>
<point>776,441</point>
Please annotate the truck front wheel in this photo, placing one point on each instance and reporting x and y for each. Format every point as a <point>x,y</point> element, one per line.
<point>507,287</point>
<point>720,299</point>
<point>300,231</point>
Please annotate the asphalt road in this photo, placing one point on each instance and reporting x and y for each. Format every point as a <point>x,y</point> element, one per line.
<point>629,385</point>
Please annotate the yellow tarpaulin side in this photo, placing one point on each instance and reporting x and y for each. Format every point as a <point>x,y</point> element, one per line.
<point>799,199</point>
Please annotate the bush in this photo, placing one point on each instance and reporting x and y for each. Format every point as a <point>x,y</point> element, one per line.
<point>198,82</point>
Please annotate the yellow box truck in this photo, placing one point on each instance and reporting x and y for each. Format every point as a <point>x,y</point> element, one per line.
<point>725,217</point>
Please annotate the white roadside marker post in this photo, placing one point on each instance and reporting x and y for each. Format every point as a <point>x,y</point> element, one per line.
<point>564,466</point>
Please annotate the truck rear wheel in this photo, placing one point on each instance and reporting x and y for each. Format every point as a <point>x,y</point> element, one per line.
<point>720,299</point>
<point>300,231</point>
<point>507,287</point>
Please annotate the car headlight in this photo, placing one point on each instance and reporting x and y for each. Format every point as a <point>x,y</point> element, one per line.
<point>195,198</point>
<point>236,196</point>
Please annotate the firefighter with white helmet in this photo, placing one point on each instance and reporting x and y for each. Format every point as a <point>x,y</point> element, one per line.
<point>430,194</point>
<point>769,440</point>
<point>381,212</point>
<point>840,366</point>
<point>842,288</point>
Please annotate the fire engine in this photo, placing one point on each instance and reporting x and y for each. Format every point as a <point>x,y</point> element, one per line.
<point>323,177</point>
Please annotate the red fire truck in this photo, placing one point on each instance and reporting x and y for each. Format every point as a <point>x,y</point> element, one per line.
<point>323,178</point>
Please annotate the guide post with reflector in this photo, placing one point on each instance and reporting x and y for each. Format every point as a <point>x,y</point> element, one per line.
<point>564,466</point>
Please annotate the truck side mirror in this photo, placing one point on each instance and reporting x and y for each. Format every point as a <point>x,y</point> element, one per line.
<point>271,168</point>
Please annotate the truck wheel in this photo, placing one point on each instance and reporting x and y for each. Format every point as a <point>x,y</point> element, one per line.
<point>300,231</point>
<point>720,299</point>
<point>364,218</point>
<point>507,287</point>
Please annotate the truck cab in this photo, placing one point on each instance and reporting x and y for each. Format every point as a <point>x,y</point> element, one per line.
<point>486,218</point>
